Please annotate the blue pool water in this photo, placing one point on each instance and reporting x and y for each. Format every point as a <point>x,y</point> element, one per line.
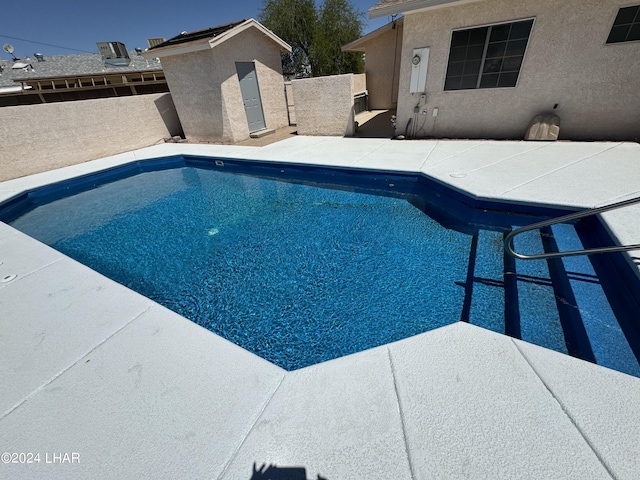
<point>299,273</point>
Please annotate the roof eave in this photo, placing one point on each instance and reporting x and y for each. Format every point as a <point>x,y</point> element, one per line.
<point>412,6</point>
<point>180,49</point>
<point>80,75</point>
<point>209,43</point>
<point>284,46</point>
<point>359,45</point>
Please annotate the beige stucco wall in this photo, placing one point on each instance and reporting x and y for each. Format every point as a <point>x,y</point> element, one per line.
<point>37,138</point>
<point>382,66</point>
<point>324,105</point>
<point>206,91</point>
<point>567,63</point>
<point>359,83</point>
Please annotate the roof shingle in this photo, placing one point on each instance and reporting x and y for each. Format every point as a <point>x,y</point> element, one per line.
<point>70,65</point>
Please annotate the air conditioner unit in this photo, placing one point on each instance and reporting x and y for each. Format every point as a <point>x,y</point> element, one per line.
<point>114,54</point>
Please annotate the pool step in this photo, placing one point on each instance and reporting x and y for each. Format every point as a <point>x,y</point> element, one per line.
<point>575,335</point>
<point>540,321</point>
<point>488,299</point>
<point>598,319</point>
<point>555,303</point>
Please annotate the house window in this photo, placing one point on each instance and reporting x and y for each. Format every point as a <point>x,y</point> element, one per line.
<point>487,57</point>
<point>626,27</point>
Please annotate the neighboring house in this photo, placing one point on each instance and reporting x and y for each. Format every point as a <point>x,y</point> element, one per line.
<point>485,68</point>
<point>66,109</point>
<point>383,50</point>
<point>226,81</point>
<point>61,78</point>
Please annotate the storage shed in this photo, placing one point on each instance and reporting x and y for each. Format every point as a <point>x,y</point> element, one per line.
<point>226,81</point>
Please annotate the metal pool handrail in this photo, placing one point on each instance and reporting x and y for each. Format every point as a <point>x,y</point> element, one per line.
<point>508,240</point>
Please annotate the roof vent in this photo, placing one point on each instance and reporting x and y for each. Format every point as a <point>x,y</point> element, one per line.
<point>138,50</point>
<point>39,57</point>
<point>155,41</point>
<point>27,67</point>
<point>114,54</point>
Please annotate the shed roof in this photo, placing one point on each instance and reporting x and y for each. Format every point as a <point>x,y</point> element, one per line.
<point>206,33</point>
<point>393,7</point>
<point>209,38</point>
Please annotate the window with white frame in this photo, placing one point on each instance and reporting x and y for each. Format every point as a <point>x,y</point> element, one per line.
<point>487,57</point>
<point>626,26</point>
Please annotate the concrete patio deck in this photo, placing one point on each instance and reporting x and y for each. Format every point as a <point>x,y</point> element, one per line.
<point>90,368</point>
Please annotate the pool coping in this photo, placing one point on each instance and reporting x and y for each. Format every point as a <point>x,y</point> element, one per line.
<point>417,408</point>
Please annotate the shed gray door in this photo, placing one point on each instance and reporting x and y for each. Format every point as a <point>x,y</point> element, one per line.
<point>250,95</point>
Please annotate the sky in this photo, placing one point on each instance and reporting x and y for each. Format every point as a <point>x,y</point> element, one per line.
<point>77,26</point>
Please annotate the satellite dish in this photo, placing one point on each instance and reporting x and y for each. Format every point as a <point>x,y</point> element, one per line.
<point>7,47</point>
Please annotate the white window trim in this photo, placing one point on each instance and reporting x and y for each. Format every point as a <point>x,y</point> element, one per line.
<point>482,26</point>
<point>614,15</point>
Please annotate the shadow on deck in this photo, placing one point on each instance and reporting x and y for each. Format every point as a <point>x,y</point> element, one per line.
<point>375,124</point>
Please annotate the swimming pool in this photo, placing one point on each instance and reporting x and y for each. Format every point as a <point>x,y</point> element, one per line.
<point>303,264</point>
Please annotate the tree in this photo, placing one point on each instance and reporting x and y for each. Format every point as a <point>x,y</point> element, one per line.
<point>338,24</point>
<point>295,22</point>
<point>316,35</point>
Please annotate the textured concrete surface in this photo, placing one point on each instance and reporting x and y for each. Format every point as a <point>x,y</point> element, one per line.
<point>82,310</point>
<point>162,398</point>
<point>91,368</point>
<point>452,391</point>
<point>591,397</point>
<point>339,419</point>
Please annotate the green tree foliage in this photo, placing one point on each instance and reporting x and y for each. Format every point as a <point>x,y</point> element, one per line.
<point>295,22</point>
<point>316,35</point>
<point>338,24</point>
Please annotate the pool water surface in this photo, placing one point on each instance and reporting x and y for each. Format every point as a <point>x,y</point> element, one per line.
<point>298,273</point>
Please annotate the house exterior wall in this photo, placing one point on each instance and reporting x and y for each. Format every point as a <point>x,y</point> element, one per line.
<point>382,66</point>
<point>206,90</point>
<point>37,138</point>
<point>324,105</point>
<point>567,63</point>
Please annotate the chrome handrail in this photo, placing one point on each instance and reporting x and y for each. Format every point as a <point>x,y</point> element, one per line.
<point>508,240</point>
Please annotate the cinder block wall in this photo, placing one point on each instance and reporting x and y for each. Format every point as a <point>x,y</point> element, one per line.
<point>324,105</point>
<point>37,138</point>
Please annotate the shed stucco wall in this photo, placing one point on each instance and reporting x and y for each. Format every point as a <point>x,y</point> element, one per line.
<point>207,94</point>
<point>37,138</point>
<point>567,63</point>
<point>324,105</point>
<point>195,87</point>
